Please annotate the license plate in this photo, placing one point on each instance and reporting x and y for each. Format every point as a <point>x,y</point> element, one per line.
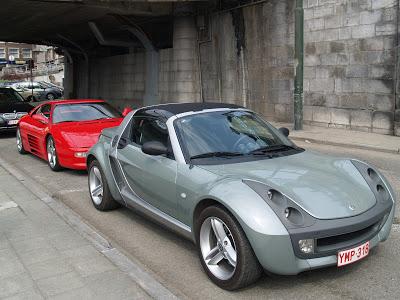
<point>12,122</point>
<point>346,257</point>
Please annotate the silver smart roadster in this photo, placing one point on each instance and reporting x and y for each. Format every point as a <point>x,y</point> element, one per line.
<point>248,197</point>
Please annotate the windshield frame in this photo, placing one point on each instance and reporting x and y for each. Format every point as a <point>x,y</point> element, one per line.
<point>84,103</point>
<point>234,159</point>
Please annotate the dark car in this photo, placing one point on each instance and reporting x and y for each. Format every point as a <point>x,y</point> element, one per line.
<point>12,108</point>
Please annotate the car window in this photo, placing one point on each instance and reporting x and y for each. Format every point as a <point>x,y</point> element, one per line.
<point>146,129</point>
<point>90,111</point>
<point>10,96</point>
<point>44,110</point>
<point>236,131</point>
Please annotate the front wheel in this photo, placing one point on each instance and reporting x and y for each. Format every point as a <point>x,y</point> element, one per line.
<point>50,96</point>
<point>98,188</point>
<point>20,145</point>
<point>225,252</point>
<point>52,157</point>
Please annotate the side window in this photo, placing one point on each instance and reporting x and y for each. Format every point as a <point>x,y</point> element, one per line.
<point>146,129</point>
<point>44,110</point>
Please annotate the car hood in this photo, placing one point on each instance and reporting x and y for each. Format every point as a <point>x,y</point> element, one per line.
<point>85,134</point>
<point>324,186</point>
<point>17,106</point>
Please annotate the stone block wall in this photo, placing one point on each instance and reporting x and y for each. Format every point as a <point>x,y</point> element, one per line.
<point>119,79</point>
<point>350,64</point>
<point>249,59</point>
<point>179,71</point>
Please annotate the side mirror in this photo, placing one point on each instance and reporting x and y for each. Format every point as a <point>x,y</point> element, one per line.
<point>154,148</point>
<point>284,131</point>
<point>126,111</point>
<point>41,119</point>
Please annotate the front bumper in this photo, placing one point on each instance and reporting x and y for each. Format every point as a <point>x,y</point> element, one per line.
<point>276,253</point>
<point>68,159</point>
<point>4,126</point>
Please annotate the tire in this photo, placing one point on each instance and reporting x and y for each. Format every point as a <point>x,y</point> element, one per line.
<point>52,157</point>
<point>101,199</point>
<point>50,96</point>
<point>20,145</point>
<point>232,263</point>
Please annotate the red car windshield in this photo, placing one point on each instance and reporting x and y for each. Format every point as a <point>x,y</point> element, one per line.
<point>84,112</point>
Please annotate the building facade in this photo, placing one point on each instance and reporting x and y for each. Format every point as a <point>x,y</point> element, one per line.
<point>19,53</point>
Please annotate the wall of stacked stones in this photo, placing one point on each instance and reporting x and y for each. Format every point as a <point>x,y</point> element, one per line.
<point>249,59</point>
<point>350,58</point>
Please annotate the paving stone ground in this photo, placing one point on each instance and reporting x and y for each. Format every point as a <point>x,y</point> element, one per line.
<point>42,257</point>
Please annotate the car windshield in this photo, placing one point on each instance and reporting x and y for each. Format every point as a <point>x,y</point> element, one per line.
<point>84,112</point>
<point>10,96</point>
<point>229,134</point>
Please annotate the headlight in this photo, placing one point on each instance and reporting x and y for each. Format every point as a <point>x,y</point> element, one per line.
<point>291,214</point>
<point>379,187</point>
<point>306,246</point>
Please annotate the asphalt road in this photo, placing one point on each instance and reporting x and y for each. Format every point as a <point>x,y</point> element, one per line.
<point>173,260</point>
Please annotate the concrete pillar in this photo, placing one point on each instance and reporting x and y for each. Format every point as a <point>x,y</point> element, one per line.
<point>68,79</point>
<point>151,96</point>
<point>186,59</point>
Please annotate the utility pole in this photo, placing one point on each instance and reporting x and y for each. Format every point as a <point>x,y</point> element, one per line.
<point>299,57</point>
<point>31,65</point>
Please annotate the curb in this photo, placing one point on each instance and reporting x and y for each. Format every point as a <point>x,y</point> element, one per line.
<point>354,146</point>
<point>145,280</point>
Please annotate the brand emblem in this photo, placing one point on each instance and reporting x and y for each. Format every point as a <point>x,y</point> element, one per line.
<point>352,207</point>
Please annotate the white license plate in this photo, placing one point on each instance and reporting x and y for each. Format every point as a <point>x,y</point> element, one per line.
<point>12,122</point>
<point>346,257</point>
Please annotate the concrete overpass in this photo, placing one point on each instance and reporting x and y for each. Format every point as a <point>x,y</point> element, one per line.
<point>238,51</point>
<point>88,31</point>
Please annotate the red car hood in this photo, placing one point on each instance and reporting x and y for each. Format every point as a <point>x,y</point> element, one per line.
<point>85,134</point>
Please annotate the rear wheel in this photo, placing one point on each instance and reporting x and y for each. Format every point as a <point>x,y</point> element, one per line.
<point>98,188</point>
<point>225,252</point>
<point>50,96</point>
<point>52,157</point>
<point>20,145</point>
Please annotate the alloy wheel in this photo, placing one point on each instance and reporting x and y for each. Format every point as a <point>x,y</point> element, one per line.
<point>218,248</point>
<point>96,185</point>
<point>51,153</point>
<point>19,141</point>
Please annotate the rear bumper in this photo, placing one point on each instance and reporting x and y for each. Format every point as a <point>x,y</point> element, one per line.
<point>277,255</point>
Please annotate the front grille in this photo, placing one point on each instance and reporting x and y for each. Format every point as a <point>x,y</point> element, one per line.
<point>13,116</point>
<point>347,239</point>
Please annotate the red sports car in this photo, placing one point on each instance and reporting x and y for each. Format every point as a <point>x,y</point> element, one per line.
<point>62,131</point>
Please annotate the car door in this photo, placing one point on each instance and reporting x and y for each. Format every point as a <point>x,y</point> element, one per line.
<point>151,178</point>
<point>37,128</point>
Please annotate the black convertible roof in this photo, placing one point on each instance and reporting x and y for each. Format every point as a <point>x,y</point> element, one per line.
<point>171,109</point>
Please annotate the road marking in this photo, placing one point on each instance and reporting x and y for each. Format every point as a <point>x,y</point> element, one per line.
<point>7,205</point>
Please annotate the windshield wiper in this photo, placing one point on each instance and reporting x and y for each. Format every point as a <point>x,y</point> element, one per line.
<point>273,148</point>
<point>217,154</point>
